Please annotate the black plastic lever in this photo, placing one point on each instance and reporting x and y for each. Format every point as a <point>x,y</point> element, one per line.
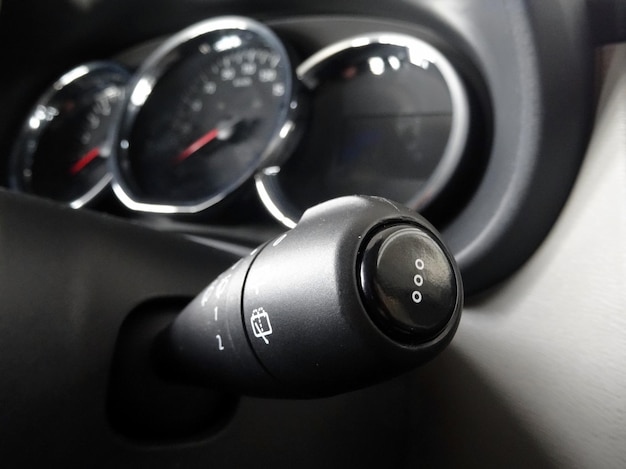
<point>359,291</point>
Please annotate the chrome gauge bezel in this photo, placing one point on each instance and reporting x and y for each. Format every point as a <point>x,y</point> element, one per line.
<point>143,83</point>
<point>39,120</point>
<point>267,180</point>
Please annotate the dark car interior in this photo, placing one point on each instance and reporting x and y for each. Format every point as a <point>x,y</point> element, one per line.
<point>208,210</point>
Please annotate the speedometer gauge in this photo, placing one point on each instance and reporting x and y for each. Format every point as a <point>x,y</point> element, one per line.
<point>204,111</point>
<point>62,149</point>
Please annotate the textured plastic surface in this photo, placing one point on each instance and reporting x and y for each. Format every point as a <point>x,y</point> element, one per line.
<point>143,405</point>
<point>535,376</point>
<point>68,279</point>
<point>290,320</point>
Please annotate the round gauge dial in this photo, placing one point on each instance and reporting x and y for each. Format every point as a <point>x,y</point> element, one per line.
<point>205,110</point>
<point>62,149</point>
<point>389,116</point>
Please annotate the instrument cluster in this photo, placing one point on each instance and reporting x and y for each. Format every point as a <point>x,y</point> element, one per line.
<point>225,104</point>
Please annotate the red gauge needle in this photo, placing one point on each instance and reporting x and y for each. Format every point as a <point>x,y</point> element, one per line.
<point>195,146</point>
<point>223,131</point>
<point>84,161</point>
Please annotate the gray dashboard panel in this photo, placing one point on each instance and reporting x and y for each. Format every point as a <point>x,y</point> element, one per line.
<point>538,363</point>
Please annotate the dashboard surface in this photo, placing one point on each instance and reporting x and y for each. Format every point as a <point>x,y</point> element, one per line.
<point>533,210</point>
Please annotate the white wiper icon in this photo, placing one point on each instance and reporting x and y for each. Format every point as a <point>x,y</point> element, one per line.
<point>261,326</point>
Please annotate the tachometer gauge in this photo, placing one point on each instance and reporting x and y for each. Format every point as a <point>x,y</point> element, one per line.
<point>204,111</point>
<point>62,149</point>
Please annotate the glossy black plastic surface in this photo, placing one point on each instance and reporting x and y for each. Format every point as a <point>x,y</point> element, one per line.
<point>409,283</point>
